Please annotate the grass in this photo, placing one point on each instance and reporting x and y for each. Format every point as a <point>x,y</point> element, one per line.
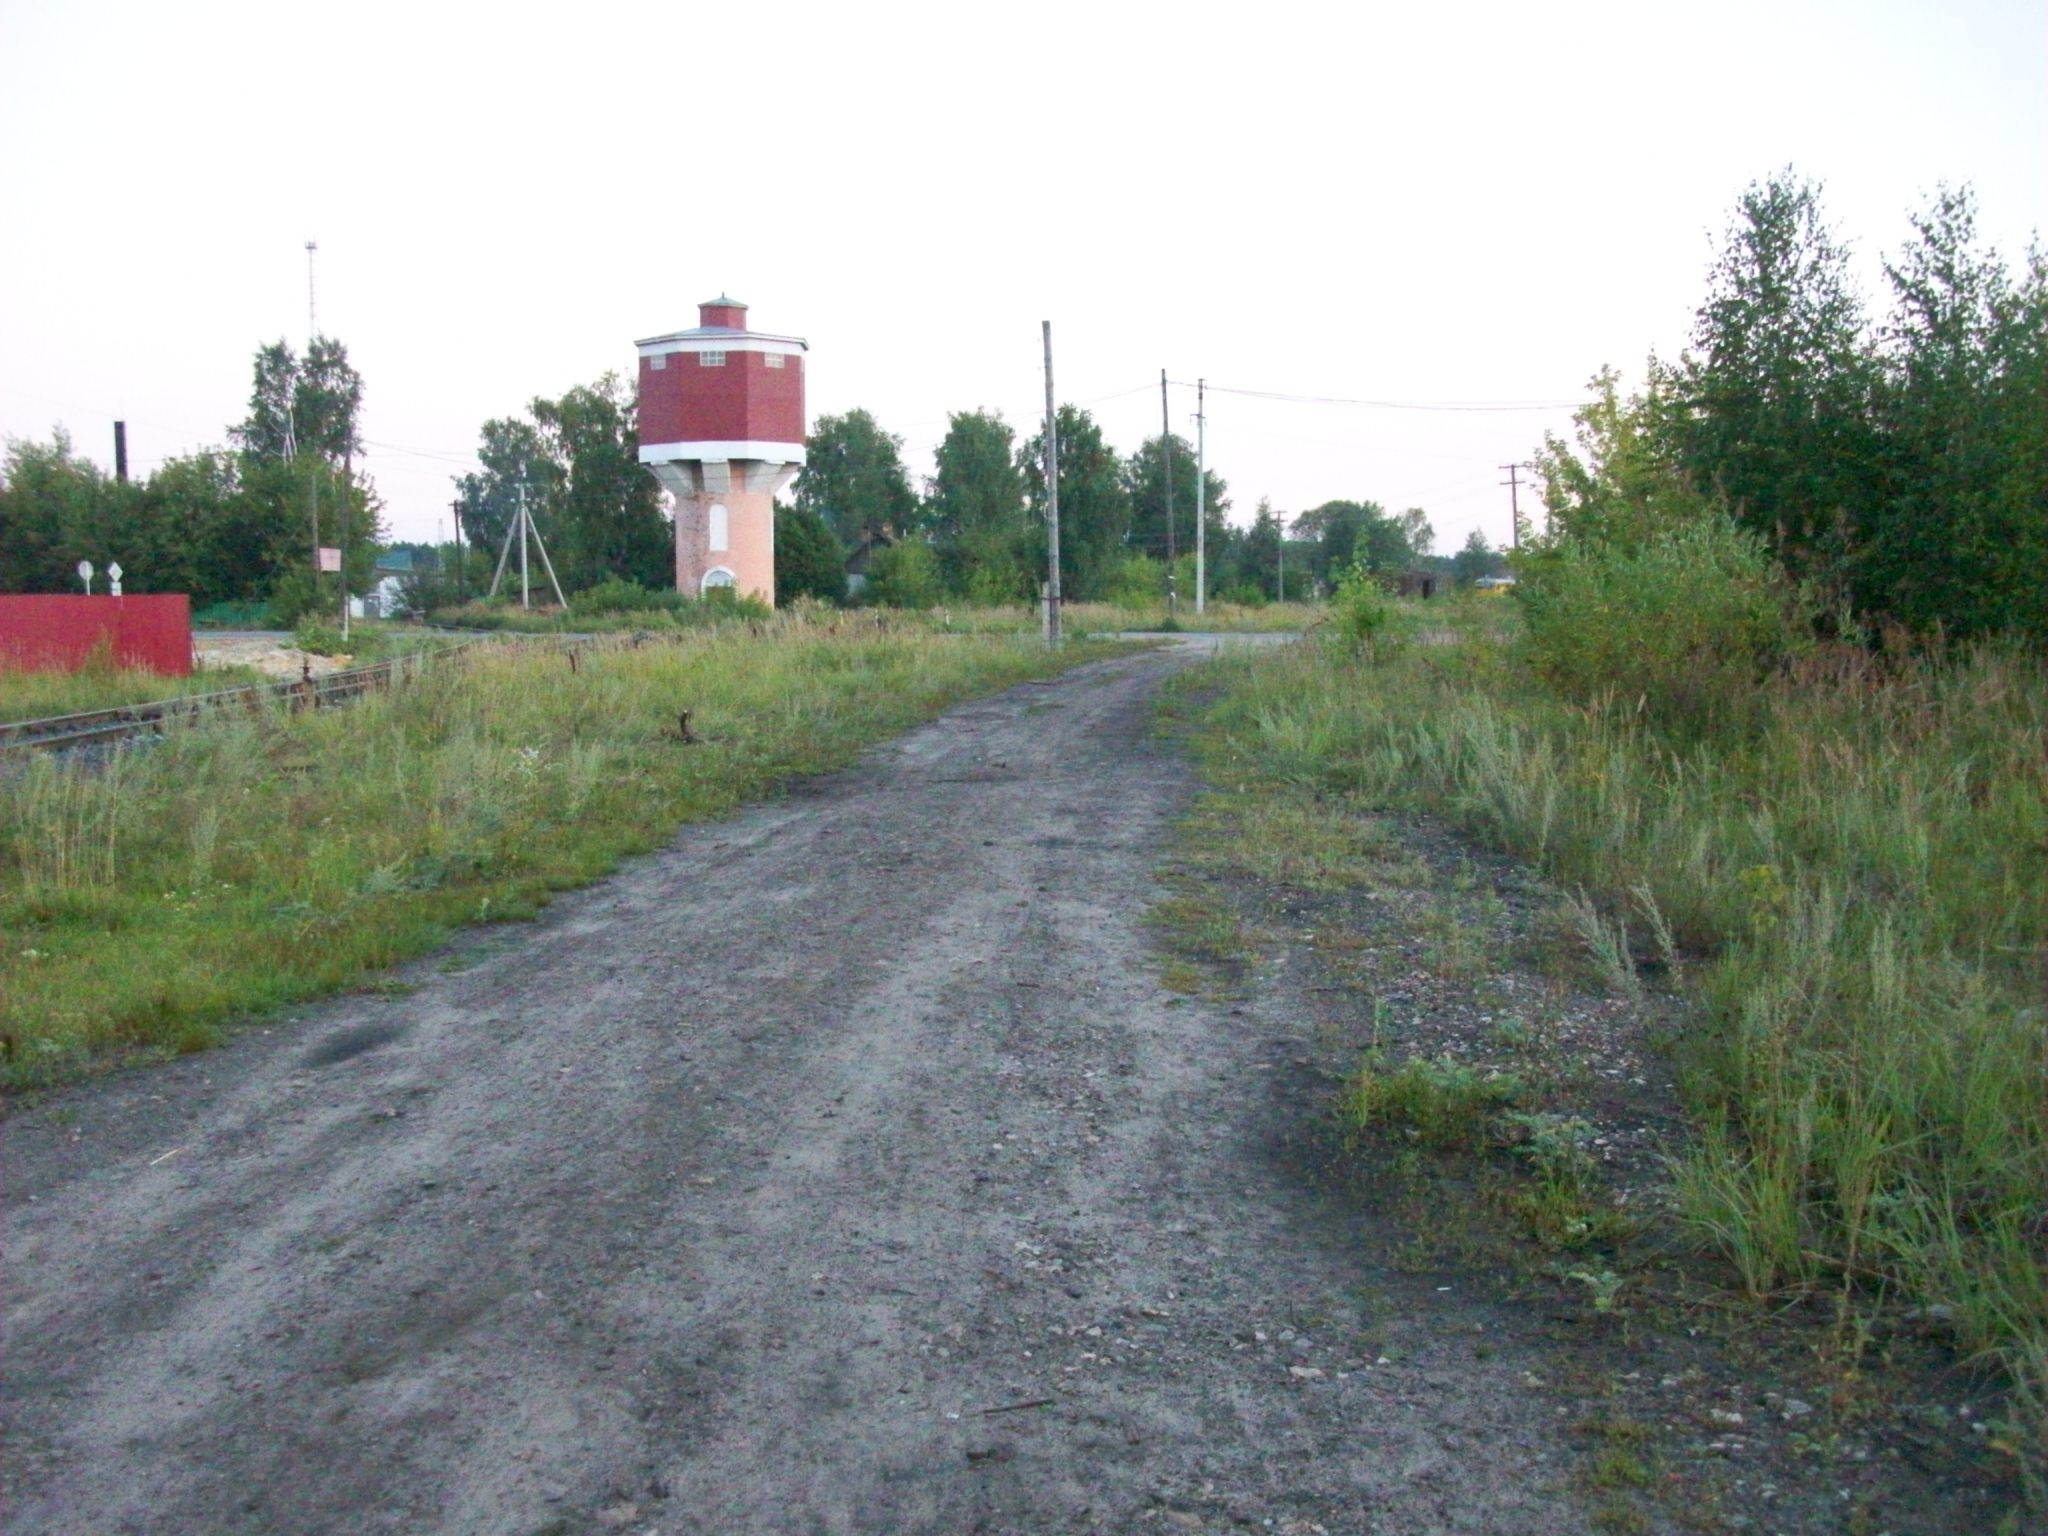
<point>102,685</point>
<point>39,695</point>
<point>947,618</point>
<point>1849,882</point>
<point>151,899</point>
<point>1220,618</point>
<point>1444,1104</point>
<point>667,614</point>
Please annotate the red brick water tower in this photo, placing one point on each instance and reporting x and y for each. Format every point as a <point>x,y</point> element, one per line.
<point>722,428</point>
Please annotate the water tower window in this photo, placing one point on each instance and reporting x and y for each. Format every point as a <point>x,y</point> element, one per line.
<point>658,361</point>
<point>710,359</point>
<point>772,359</point>
<point>721,535</point>
<point>717,576</point>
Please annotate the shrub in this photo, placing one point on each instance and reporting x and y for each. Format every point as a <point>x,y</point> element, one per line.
<point>809,559</point>
<point>295,595</point>
<point>721,603</point>
<point>992,585</point>
<point>1360,609</point>
<point>320,639</point>
<point>617,595</point>
<point>1679,627</point>
<point>905,575</point>
<point>1136,581</point>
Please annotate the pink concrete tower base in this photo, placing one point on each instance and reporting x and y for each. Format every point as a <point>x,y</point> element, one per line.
<point>727,539</point>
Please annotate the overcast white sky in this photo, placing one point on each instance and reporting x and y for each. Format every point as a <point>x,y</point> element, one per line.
<point>1451,203</point>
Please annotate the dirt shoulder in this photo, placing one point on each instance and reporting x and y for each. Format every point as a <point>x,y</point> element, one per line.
<point>845,1167</point>
<point>270,656</point>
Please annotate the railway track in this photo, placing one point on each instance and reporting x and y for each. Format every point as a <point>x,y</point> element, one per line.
<point>102,727</point>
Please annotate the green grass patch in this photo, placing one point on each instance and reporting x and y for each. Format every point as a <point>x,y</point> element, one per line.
<point>1195,926</point>
<point>102,685</point>
<point>41,694</point>
<point>664,613</point>
<point>148,900</point>
<point>1445,1104</point>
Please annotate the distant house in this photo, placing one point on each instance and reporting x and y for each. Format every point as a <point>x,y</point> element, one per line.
<point>386,596</point>
<point>862,559</point>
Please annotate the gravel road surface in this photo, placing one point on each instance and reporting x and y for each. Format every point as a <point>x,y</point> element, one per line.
<point>843,1168</point>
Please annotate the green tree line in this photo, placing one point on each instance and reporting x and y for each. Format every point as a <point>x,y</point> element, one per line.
<point>1894,467</point>
<point>977,532</point>
<point>239,524</point>
<point>226,525</point>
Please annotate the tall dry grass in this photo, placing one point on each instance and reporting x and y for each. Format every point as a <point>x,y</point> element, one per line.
<point>1852,872</point>
<point>148,898</point>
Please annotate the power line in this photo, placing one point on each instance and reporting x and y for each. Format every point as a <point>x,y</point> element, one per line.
<point>1396,405</point>
<point>448,455</point>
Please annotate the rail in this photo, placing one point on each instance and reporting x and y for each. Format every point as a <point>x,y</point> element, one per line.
<point>58,733</point>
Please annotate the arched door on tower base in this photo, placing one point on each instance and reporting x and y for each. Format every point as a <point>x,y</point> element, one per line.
<point>717,576</point>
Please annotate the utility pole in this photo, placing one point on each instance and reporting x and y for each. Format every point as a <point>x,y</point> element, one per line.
<point>341,516</point>
<point>522,525</point>
<point>1201,508</point>
<point>1166,459</point>
<point>461,583</point>
<point>1283,557</point>
<point>1052,502</point>
<point>121,451</point>
<point>1514,502</point>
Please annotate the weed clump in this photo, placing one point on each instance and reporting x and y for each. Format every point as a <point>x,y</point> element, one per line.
<point>1362,612</point>
<point>1445,1104</point>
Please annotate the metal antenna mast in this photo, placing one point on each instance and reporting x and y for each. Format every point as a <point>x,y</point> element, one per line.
<point>312,323</point>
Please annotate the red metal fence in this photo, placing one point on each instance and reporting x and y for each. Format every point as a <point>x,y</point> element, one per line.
<point>61,634</point>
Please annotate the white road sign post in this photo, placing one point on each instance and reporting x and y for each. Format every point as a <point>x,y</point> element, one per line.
<point>114,577</point>
<point>85,575</point>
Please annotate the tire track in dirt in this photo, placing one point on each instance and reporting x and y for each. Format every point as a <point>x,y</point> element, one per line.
<point>735,1193</point>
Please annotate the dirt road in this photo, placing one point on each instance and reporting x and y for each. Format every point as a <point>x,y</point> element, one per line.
<point>842,1168</point>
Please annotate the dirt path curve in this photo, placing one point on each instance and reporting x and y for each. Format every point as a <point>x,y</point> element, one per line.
<point>843,1168</point>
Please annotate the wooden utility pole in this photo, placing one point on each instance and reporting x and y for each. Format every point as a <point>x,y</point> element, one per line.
<point>121,451</point>
<point>1052,502</point>
<point>1166,460</point>
<point>461,583</point>
<point>1201,507</point>
<point>1514,502</point>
